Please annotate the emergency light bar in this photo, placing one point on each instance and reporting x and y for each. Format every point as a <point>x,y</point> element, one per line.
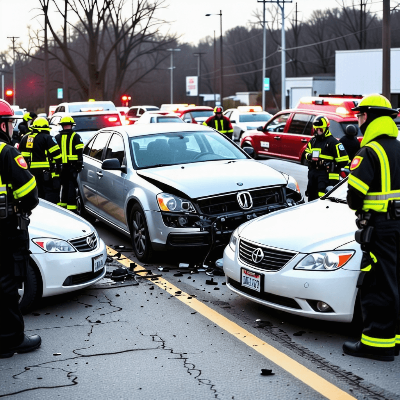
<point>250,108</point>
<point>91,109</point>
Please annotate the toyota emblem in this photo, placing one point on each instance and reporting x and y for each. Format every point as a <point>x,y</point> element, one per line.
<point>257,255</point>
<point>244,200</point>
<point>91,241</point>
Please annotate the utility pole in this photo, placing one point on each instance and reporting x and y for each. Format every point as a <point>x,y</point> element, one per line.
<point>172,73</point>
<point>65,70</point>
<point>264,56</point>
<point>215,70</point>
<point>198,55</point>
<point>386,49</point>
<point>46,59</point>
<point>281,5</point>
<point>13,46</point>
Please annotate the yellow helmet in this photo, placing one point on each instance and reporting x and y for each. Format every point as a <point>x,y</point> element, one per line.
<point>67,120</point>
<point>28,116</point>
<point>41,124</point>
<point>376,104</point>
<point>321,122</point>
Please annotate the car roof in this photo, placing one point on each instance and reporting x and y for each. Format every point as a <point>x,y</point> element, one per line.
<point>81,114</point>
<point>331,115</point>
<point>151,129</point>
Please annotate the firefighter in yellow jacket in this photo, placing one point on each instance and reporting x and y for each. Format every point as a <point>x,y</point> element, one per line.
<point>220,122</point>
<point>18,196</point>
<point>43,156</point>
<point>374,193</point>
<point>71,146</point>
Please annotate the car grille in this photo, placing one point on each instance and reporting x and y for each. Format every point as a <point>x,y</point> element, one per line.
<point>273,260</point>
<point>228,202</point>
<point>196,239</point>
<point>85,243</point>
<point>271,298</point>
<point>82,278</point>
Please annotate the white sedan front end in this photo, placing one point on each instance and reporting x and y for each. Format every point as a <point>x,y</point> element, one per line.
<point>301,260</point>
<point>67,252</point>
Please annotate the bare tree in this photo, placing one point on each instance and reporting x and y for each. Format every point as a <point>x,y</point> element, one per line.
<point>101,32</point>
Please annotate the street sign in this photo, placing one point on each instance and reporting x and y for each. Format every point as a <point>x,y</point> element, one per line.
<point>60,94</point>
<point>191,86</point>
<point>266,83</point>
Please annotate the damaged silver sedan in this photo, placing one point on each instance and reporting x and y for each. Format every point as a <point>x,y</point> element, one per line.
<point>174,186</point>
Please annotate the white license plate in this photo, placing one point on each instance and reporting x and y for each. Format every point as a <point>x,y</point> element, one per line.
<point>251,280</point>
<point>265,145</point>
<point>97,263</point>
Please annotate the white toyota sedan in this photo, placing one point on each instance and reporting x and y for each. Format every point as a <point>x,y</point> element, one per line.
<point>66,254</point>
<point>302,260</point>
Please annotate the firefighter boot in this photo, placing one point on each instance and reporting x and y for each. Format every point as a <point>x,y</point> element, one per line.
<point>358,349</point>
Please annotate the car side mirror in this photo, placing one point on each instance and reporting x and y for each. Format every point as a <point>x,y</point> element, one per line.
<point>188,121</point>
<point>233,121</point>
<point>112,164</point>
<point>328,189</point>
<point>249,150</point>
<point>260,128</point>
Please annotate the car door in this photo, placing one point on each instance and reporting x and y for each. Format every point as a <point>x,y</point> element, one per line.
<point>297,135</point>
<point>234,118</point>
<point>111,188</point>
<point>269,140</point>
<point>90,175</point>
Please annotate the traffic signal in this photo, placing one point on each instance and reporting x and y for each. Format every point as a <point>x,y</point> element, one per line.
<point>125,99</point>
<point>9,95</point>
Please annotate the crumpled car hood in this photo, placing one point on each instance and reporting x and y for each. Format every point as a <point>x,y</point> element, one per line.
<point>317,226</point>
<point>214,177</point>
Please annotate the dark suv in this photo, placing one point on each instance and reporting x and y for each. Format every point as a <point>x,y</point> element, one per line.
<point>287,133</point>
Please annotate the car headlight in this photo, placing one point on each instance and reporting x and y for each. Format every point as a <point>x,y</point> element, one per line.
<point>171,203</point>
<point>53,245</point>
<point>292,184</point>
<point>234,239</point>
<point>325,261</point>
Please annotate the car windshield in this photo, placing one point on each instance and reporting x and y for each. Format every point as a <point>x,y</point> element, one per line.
<point>167,119</point>
<point>96,122</point>
<point>94,106</point>
<point>254,117</point>
<point>152,108</point>
<point>182,148</point>
<point>198,114</point>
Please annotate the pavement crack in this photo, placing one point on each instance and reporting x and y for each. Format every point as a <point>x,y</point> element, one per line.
<point>190,367</point>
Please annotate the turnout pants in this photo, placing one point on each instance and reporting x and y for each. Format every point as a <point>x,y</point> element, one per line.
<point>13,257</point>
<point>318,181</point>
<point>48,189</point>
<point>379,293</point>
<point>68,185</point>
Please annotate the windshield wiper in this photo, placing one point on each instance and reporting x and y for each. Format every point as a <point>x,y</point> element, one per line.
<point>336,200</point>
<point>158,165</point>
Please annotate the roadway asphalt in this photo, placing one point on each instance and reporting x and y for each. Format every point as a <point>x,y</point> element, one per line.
<point>177,337</point>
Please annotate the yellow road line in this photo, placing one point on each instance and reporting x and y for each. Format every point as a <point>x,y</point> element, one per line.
<point>310,378</point>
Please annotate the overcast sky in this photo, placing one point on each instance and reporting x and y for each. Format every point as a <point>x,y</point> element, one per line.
<point>187,16</point>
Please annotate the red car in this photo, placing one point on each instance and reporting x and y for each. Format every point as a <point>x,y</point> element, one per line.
<point>195,114</point>
<point>287,133</point>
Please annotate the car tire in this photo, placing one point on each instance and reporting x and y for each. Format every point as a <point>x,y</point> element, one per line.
<point>140,235</point>
<point>31,290</point>
<point>247,144</point>
<point>81,211</point>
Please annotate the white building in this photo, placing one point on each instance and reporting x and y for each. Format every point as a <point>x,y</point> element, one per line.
<point>308,86</point>
<point>360,72</point>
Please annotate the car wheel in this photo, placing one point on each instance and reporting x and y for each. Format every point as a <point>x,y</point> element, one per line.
<point>81,211</point>
<point>30,290</point>
<point>140,235</point>
<point>247,144</point>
